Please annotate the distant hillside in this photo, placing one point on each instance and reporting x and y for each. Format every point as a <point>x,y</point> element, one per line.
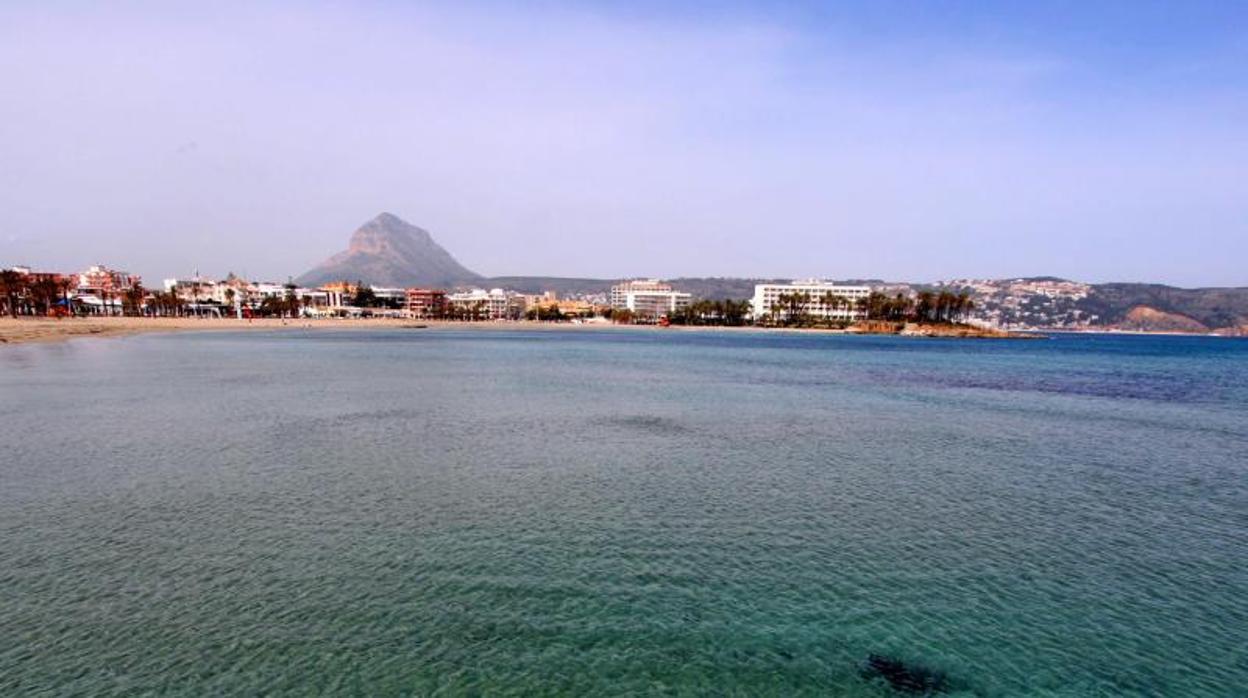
<point>1142,317</point>
<point>719,287</point>
<point>388,251</point>
<point>540,284</point>
<point>701,287</point>
<point>1211,307</point>
<point>1050,302</point>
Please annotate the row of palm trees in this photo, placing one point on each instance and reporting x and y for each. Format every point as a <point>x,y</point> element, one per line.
<point>925,306</point>
<point>798,308</point>
<point>26,295</point>
<point>45,295</point>
<point>942,307</point>
<point>726,312</point>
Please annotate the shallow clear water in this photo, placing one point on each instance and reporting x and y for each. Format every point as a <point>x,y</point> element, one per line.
<point>642,512</point>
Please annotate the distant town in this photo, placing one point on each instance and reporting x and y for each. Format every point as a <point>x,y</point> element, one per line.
<point>102,291</point>
<point>1018,304</point>
<point>393,269</point>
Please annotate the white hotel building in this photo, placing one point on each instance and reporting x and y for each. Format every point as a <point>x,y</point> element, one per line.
<point>767,297</point>
<point>494,304</point>
<point>648,297</point>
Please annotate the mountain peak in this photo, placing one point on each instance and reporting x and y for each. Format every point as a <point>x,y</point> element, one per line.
<point>387,220</point>
<point>388,230</point>
<point>389,251</point>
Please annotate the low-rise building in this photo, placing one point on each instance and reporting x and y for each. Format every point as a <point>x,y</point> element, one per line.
<point>199,290</point>
<point>550,301</point>
<point>339,293</point>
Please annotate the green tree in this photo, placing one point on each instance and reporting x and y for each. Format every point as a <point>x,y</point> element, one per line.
<point>290,300</point>
<point>132,300</point>
<point>45,292</point>
<point>924,305</point>
<point>12,285</point>
<point>364,296</point>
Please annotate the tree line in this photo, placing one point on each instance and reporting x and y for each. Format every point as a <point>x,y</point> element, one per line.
<point>44,295</point>
<point>829,309</point>
<point>723,313</point>
<point>925,306</point>
<point>25,295</point>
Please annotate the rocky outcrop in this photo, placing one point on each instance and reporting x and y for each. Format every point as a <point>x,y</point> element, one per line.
<point>1142,318</point>
<point>388,251</point>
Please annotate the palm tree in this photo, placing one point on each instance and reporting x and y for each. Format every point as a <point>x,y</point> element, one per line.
<point>830,302</point>
<point>964,305</point>
<point>66,284</point>
<point>105,300</point>
<point>46,291</point>
<point>925,305</point>
<point>795,307</point>
<point>292,299</point>
<point>841,305</point>
<point>132,300</point>
<point>11,284</point>
<point>868,306</point>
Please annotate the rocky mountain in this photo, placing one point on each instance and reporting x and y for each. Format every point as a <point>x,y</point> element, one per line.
<point>389,251</point>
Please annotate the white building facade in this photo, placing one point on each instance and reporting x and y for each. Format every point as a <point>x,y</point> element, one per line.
<point>820,299</point>
<point>494,304</point>
<point>648,297</point>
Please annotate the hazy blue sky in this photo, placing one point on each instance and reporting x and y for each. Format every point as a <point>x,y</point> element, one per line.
<point>908,140</point>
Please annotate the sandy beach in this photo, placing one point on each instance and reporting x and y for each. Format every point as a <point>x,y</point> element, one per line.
<point>27,330</point>
<point>32,330</point>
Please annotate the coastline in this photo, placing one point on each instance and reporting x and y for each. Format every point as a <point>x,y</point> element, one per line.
<point>14,331</point>
<point>25,330</point>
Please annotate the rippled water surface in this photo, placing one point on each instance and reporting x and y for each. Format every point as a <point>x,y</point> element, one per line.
<point>590,513</point>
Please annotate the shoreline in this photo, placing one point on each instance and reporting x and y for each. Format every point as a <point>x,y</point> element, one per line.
<point>28,330</point>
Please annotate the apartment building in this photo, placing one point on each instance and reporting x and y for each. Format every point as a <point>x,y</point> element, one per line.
<point>425,303</point>
<point>648,298</point>
<point>480,304</point>
<point>819,299</point>
<point>102,281</point>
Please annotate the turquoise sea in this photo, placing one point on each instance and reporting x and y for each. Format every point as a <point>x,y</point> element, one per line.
<point>420,512</point>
